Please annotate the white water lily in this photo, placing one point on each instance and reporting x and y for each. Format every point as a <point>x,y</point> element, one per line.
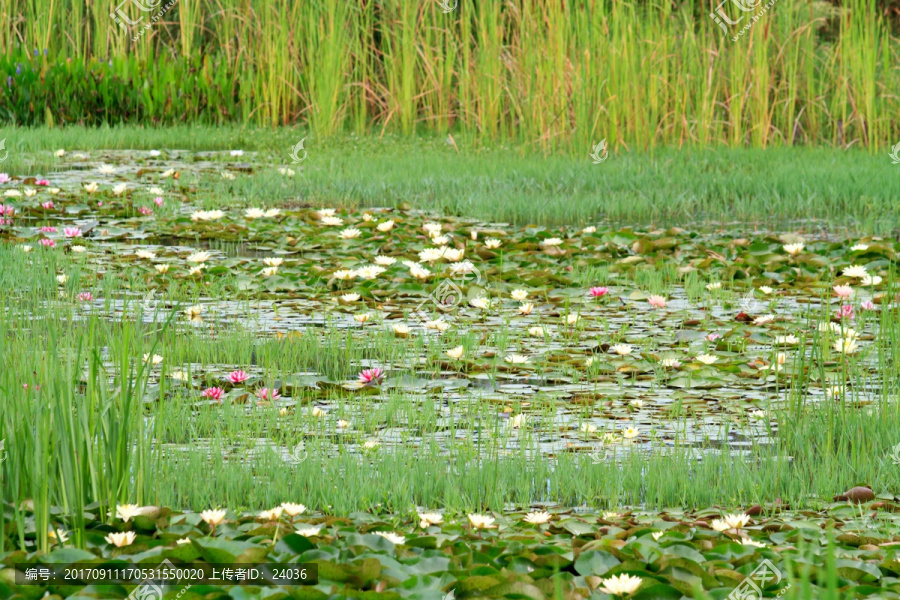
<point>332,221</point>
<point>619,585</point>
<point>207,215</point>
<point>538,517</point>
<point>536,331</point>
<point>428,519</point>
<point>199,257</point>
<point>194,313</point>
<point>516,359</point>
<point>519,295</point>
<point>714,286</point>
<point>106,169</point>
<point>857,271</point>
<point>91,187</point>
<point>763,319</point>
<point>456,353</point>
<point>268,271</point>
<point>308,531</point>
<point>344,274</point>
<point>550,242</point>
<point>707,359</point>
<point>525,308</point>
<point>119,540</point>
<point>385,226</point>
<point>348,298</point>
<point>384,261</point>
<point>859,247</point>
<point>273,262</point>
<point>794,249</point>
<point>622,349</point>
<point>492,243</point>
<point>120,189</point>
<point>670,363</point>
<point>350,233</point>
<point>479,521</point>
<point>254,213</point>
<point>145,254</point>
<point>765,289</point>
<point>213,517</point>
<point>401,329</point>
<point>394,538</point>
<point>871,280</point>
<point>480,303</point>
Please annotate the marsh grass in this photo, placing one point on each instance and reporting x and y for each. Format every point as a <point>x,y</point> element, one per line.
<point>96,434</point>
<point>639,74</point>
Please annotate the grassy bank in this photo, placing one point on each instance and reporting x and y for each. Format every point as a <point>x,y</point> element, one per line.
<point>787,188</point>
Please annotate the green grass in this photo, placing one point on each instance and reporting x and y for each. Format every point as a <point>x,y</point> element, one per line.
<point>786,188</point>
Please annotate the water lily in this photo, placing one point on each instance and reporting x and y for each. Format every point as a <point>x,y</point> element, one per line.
<point>119,540</point>
<point>371,376</point>
<point>519,295</point>
<point>126,512</point>
<point>717,285</point>
<point>537,517</point>
<point>622,349</point>
<point>120,189</point>
<point>268,394</point>
<point>536,331</point>
<point>598,292</point>
<point>47,243</point>
<point>272,514</point>
<point>516,359</point>
<point>213,518</point>
<point>843,291</point>
<point>456,353</point>
<point>308,531</point>
<point>194,313</point>
<point>479,521</point>
<point>707,359</point>
<point>85,297</point>
<point>394,538</point>
<point>292,509</point>
<point>656,301</point>
<point>765,289</point>
<point>72,232</point>
<point>871,280</point>
<point>845,345</point>
<point>670,363</point>
<point>238,376</point>
<point>254,213</point>
<point>426,520</point>
<point>794,249</point>
<point>856,271</point>
<point>154,359</point>
<point>630,433</point>
<point>525,308</point>
<point>213,393</point>
<point>620,585</point>
<point>385,226</point>
<point>350,233</point>
<point>492,243</point>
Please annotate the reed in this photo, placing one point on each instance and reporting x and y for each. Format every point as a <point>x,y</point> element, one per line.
<point>639,74</point>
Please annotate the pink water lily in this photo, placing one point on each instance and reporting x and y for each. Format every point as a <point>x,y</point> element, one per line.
<point>48,205</point>
<point>48,243</point>
<point>867,305</point>
<point>846,312</point>
<point>6,209</point>
<point>598,292</point>
<point>238,376</point>
<point>158,201</point>
<point>42,182</point>
<point>266,394</point>
<point>71,232</point>
<point>213,393</point>
<point>4,178</point>
<point>656,301</point>
<point>48,229</point>
<point>145,210</point>
<point>371,376</point>
<point>85,297</point>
